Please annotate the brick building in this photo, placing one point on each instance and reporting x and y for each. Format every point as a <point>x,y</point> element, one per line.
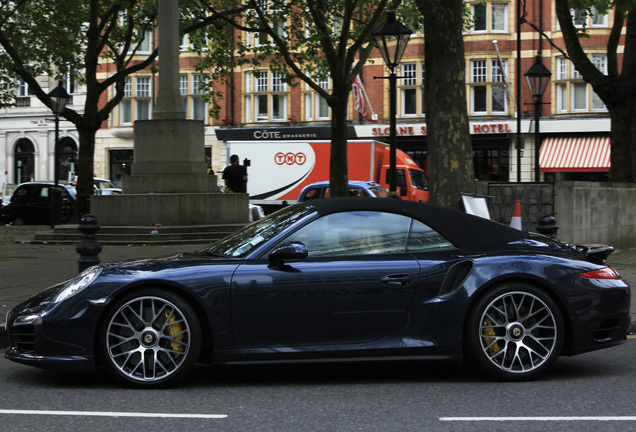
<point>575,124</point>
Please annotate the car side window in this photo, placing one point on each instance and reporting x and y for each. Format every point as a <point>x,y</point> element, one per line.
<point>423,238</point>
<point>312,194</point>
<point>43,196</point>
<point>355,233</point>
<point>20,196</point>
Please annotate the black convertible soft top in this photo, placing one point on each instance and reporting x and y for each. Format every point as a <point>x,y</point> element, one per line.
<point>465,231</point>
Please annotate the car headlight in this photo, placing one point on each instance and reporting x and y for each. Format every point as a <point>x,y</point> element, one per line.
<point>78,283</point>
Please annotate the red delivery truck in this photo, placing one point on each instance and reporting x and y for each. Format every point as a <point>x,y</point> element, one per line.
<point>279,170</point>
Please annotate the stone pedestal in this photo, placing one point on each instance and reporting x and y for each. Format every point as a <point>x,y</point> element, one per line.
<point>180,209</point>
<point>169,184</point>
<point>169,158</point>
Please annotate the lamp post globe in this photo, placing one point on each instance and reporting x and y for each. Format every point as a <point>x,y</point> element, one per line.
<point>59,98</point>
<point>538,77</point>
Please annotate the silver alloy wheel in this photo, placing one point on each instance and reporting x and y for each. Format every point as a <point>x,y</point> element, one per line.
<point>148,339</point>
<point>518,332</point>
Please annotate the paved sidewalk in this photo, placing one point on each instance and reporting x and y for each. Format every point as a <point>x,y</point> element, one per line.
<point>28,268</point>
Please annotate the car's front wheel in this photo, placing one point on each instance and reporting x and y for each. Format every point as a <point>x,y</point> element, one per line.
<point>150,338</point>
<point>515,332</point>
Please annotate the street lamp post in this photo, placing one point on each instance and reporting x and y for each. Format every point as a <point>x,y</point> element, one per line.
<point>391,38</point>
<point>538,77</point>
<point>59,99</point>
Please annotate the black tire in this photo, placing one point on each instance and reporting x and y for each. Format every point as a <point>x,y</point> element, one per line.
<point>515,332</point>
<point>149,338</point>
<point>18,221</point>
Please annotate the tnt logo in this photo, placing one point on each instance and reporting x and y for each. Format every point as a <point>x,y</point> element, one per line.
<point>290,158</point>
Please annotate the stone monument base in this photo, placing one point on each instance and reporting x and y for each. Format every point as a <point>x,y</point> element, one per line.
<point>178,209</point>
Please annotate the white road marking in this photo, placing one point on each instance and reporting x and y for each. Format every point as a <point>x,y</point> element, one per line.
<point>539,419</point>
<point>111,414</point>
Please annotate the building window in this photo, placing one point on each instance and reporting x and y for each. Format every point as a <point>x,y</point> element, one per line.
<point>489,17</point>
<point>137,101</point>
<point>487,87</point>
<point>412,90</point>
<point>144,43</point>
<point>142,101</point>
<point>199,106</point>
<point>593,18</point>
<point>23,89</point>
<point>316,107</point>
<point>265,96</point>
<point>573,95</point>
<point>276,21</point>
<point>125,106</point>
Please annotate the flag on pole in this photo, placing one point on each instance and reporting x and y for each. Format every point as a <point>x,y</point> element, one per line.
<point>358,95</point>
<point>504,78</point>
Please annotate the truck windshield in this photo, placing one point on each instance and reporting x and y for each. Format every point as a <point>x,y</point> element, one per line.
<point>418,179</point>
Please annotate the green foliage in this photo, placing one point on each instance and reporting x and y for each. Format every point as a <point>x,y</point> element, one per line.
<point>304,40</point>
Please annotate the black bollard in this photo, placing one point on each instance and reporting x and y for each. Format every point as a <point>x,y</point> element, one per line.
<point>548,226</point>
<point>89,247</point>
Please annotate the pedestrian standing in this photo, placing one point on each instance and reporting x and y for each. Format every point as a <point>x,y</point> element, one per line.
<point>235,175</point>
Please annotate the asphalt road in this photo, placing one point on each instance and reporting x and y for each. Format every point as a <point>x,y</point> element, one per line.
<point>590,392</point>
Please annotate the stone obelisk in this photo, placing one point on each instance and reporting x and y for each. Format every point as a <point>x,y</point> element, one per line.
<point>169,184</point>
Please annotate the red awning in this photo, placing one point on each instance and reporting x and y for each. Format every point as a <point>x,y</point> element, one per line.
<point>575,154</point>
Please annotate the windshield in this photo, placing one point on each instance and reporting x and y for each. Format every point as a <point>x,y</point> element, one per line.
<point>418,179</point>
<point>379,191</point>
<point>239,244</point>
<point>103,184</point>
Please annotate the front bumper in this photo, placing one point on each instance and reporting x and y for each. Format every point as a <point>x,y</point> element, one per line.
<point>53,335</point>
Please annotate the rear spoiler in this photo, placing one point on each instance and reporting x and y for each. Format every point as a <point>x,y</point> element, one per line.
<point>596,252</point>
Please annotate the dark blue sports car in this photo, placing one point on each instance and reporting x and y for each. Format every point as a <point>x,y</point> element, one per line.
<point>336,279</point>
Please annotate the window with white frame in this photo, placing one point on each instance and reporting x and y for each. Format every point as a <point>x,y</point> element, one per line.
<point>412,90</point>
<point>489,16</point>
<point>142,98</point>
<point>573,95</point>
<point>144,42</point>
<point>191,89</point>
<point>137,101</point>
<point>125,106</point>
<point>316,107</point>
<point>592,18</point>
<point>23,89</point>
<point>199,106</point>
<point>277,22</point>
<point>488,93</point>
<point>265,96</point>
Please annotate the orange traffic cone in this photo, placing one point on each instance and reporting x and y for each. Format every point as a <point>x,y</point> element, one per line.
<point>515,222</point>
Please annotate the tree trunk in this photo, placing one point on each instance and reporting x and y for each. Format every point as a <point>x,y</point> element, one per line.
<point>85,169</point>
<point>623,136</point>
<point>449,147</point>
<point>339,169</point>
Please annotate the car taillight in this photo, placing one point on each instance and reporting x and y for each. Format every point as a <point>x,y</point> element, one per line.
<point>604,273</point>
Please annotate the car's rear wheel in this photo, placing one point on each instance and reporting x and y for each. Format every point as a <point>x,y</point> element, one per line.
<point>150,338</point>
<point>515,332</point>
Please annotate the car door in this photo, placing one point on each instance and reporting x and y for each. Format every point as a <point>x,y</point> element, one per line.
<point>355,286</point>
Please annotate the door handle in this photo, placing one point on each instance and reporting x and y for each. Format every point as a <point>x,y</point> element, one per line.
<point>402,279</point>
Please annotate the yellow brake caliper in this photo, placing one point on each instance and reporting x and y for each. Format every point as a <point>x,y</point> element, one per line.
<point>175,329</point>
<point>493,348</point>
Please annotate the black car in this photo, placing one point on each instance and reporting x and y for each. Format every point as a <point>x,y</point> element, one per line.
<point>334,280</point>
<point>31,204</point>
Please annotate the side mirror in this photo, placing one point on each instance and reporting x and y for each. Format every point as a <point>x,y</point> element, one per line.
<point>403,191</point>
<point>287,251</point>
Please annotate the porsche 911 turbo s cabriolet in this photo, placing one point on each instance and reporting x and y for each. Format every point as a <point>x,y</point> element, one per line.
<point>335,279</point>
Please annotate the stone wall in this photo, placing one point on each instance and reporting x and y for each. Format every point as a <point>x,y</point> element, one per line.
<point>590,212</point>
